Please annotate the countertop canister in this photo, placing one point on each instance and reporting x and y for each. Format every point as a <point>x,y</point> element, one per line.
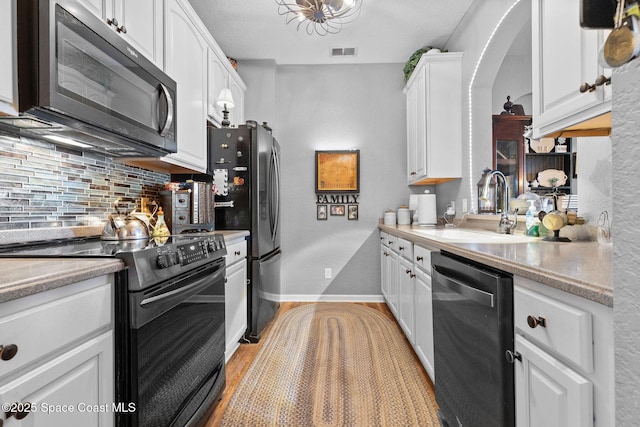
<point>389,218</point>
<point>404,215</point>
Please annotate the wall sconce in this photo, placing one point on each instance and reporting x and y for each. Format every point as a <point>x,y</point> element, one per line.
<point>225,100</point>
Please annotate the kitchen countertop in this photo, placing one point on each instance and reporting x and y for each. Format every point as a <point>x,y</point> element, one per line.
<point>28,276</point>
<point>580,268</point>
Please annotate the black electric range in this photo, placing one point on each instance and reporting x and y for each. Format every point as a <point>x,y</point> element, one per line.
<point>169,322</point>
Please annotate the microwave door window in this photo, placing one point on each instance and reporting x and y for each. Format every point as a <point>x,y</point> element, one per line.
<point>90,75</point>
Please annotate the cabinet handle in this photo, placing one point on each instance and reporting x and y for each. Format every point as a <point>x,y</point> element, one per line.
<point>419,258</point>
<point>122,29</point>
<point>586,87</point>
<point>407,271</point>
<point>401,248</point>
<point>533,321</point>
<point>237,253</point>
<point>113,21</point>
<point>7,352</point>
<point>603,80</point>
<point>18,415</point>
<point>411,275</point>
<point>386,254</point>
<point>390,242</point>
<point>512,356</point>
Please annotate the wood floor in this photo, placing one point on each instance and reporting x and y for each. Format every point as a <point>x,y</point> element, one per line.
<point>242,358</point>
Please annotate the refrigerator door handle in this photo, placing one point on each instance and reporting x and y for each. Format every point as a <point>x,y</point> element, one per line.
<point>276,193</point>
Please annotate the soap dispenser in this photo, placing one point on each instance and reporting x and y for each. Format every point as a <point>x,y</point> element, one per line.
<point>532,229</point>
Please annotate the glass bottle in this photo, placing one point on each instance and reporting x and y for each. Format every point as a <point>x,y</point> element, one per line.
<point>161,228</point>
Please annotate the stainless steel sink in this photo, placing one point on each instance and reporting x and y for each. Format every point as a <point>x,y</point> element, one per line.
<point>464,235</point>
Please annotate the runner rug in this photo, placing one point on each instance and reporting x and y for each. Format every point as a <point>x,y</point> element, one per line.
<point>333,365</point>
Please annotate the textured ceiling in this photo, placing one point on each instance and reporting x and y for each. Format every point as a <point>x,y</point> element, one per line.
<point>385,31</point>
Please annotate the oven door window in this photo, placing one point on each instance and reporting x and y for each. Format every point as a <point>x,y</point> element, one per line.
<point>180,350</point>
<point>92,72</point>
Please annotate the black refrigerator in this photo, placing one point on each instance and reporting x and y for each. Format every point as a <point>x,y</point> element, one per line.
<point>245,165</point>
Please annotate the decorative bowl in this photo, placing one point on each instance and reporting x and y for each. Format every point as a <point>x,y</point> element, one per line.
<point>544,145</point>
<point>552,178</point>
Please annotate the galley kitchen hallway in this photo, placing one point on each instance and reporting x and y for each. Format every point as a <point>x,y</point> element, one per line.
<point>333,363</point>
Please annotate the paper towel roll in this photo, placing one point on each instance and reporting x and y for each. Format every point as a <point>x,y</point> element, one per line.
<point>427,209</point>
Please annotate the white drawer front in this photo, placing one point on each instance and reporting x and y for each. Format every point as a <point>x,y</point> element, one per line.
<point>384,238</point>
<point>53,322</point>
<point>567,330</point>
<point>422,258</point>
<point>405,248</point>
<point>392,242</point>
<point>236,251</point>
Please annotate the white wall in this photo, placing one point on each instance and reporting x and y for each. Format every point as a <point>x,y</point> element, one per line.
<point>470,37</point>
<point>334,107</point>
<point>626,245</point>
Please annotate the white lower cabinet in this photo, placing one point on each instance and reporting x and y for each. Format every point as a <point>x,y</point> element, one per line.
<point>564,371</point>
<point>390,271</point>
<point>406,288</point>
<point>235,307</point>
<point>62,372</point>
<point>423,344</point>
<point>548,393</point>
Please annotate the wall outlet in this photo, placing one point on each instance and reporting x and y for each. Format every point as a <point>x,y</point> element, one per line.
<point>327,273</point>
<point>465,208</point>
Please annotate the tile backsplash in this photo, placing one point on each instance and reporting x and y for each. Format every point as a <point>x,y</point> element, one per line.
<point>44,185</point>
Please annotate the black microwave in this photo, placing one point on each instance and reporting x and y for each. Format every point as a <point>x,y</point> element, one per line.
<point>78,80</point>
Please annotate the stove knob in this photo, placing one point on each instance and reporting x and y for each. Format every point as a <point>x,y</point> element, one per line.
<point>212,247</point>
<point>164,261</point>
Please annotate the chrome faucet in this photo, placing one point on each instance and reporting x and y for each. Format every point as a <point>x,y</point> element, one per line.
<point>505,225</point>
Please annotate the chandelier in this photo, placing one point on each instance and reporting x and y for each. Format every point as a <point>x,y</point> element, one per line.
<point>320,16</point>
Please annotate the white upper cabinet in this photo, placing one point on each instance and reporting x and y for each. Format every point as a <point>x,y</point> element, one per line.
<point>186,59</point>
<point>218,80</point>
<point>434,119</point>
<point>222,75</point>
<point>237,87</point>
<point>139,22</point>
<point>565,57</point>
<point>8,93</point>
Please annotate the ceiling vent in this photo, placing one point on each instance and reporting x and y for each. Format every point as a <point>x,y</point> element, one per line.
<point>343,51</point>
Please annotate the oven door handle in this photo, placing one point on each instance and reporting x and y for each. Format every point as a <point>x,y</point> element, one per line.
<point>481,297</point>
<point>190,289</point>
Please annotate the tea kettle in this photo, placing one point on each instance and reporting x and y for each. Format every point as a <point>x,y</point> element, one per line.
<point>128,227</point>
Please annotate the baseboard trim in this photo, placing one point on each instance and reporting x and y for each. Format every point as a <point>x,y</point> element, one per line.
<point>331,298</point>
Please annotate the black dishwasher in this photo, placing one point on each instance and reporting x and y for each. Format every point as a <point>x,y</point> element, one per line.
<point>473,328</point>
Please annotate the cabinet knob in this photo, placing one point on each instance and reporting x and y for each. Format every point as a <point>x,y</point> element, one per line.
<point>401,248</point>
<point>112,21</point>
<point>586,87</point>
<point>603,80</point>
<point>419,258</point>
<point>512,356</point>
<point>7,352</point>
<point>122,29</point>
<point>533,321</point>
<point>386,254</point>
<point>18,415</point>
<point>237,253</point>
<point>411,275</point>
<point>390,242</point>
<point>408,271</point>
